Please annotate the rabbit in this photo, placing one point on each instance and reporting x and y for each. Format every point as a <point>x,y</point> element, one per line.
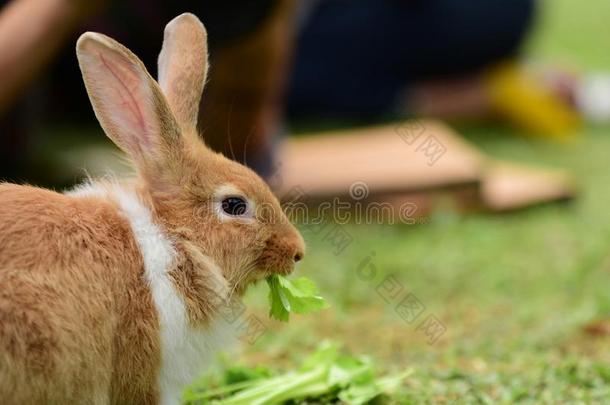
<point>111,293</point>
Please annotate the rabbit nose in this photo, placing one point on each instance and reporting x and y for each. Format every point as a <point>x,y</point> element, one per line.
<point>299,249</point>
<point>297,244</point>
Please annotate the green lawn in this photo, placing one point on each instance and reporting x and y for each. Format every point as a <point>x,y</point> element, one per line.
<point>512,290</point>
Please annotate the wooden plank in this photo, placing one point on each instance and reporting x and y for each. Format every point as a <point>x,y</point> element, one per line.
<point>414,162</point>
<point>407,157</point>
<point>509,186</point>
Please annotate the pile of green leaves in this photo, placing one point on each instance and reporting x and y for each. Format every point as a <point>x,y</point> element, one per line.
<point>299,296</point>
<point>327,376</point>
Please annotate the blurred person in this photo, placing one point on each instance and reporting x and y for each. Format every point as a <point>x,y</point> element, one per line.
<point>372,59</point>
<point>41,86</point>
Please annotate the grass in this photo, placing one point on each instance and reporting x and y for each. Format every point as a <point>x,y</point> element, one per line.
<point>512,290</point>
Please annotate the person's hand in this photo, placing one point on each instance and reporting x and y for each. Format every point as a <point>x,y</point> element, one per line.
<point>31,32</point>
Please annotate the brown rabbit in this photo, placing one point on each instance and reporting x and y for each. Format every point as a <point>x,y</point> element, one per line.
<point>111,293</point>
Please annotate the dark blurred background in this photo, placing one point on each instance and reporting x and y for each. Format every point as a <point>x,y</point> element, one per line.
<point>273,62</point>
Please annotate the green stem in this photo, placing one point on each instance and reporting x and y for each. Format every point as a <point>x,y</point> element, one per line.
<point>227,389</point>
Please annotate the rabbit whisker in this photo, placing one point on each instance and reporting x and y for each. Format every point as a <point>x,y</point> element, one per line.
<point>245,160</point>
<point>229,133</point>
<point>241,277</point>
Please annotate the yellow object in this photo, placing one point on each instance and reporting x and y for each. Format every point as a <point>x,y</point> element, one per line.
<point>524,101</point>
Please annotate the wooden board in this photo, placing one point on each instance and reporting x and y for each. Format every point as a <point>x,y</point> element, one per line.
<point>405,157</point>
<point>509,186</point>
<point>411,162</point>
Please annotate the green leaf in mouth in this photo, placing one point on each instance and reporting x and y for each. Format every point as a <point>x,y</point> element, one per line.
<point>299,296</point>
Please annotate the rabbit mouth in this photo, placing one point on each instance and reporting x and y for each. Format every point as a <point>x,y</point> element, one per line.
<point>276,257</point>
<point>260,270</point>
<point>283,271</point>
<point>270,264</point>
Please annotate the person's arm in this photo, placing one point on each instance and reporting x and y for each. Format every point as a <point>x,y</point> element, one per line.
<point>31,31</point>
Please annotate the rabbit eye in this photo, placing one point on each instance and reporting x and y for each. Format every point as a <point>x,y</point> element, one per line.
<point>235,206</point>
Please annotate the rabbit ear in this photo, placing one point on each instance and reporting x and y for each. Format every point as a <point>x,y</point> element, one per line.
<point>127,101</point>
<point>183,65</point>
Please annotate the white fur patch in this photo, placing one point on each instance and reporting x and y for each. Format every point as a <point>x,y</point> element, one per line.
<point>88,190</point>
<point>185,351</point>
